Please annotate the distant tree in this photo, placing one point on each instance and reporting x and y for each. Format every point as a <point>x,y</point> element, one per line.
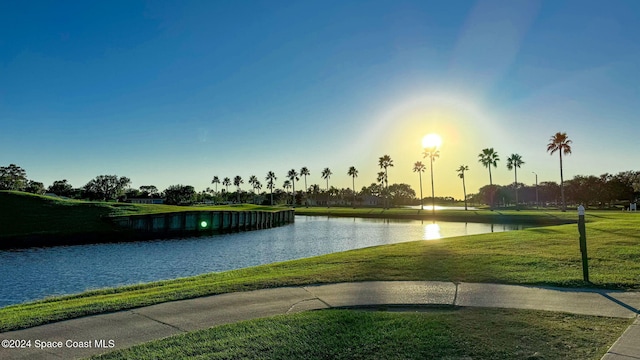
<point>293,176</point>
<point>489,157</point>
<point>461,171</point>
<point>180,195</point>
<point>35,187</point>
<point>106,187</point>
<point>419,168</point>
<point>549,192</point>
<point>226,183</point>
<point>256,186</point>
<point>513,163</point>
<point>216,181</point>
<point>148,191</point>
<point>286,186</point>
<point>326,174</point>
<point>385,162</point>
<point>401,194</point>
<point>304,172</point>
<point>561,143</point>
<point>13,177</point>
<point>271,178</point>
<point>353,172</point>
<point>432,153</point>
<point>61,188</point>
<point>132,193</point>
<point>252,181</point>
<point>237,181</point>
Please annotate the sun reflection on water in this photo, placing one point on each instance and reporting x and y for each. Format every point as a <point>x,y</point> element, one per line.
<point>432,232</point>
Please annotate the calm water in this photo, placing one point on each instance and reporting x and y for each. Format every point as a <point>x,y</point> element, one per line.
<point>39,272</point>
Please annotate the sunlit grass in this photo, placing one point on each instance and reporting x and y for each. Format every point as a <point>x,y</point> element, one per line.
<point>435,334</point>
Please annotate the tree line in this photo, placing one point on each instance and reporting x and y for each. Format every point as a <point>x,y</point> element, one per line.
<point>601,191</point>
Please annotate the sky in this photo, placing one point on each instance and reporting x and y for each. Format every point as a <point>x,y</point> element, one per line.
<point>176,92</point>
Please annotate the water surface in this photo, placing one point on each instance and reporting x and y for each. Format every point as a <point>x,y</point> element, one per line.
<point>35,273</point>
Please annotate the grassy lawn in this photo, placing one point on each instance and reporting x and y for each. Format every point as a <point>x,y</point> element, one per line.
<point>434,334</point>
<point>536,256</point>
<point>23,214</point>
<point>534,217</point>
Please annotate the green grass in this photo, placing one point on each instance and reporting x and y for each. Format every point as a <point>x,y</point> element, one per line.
<point>24,214</point>
<point>537,256</point>
<point>533,217</point>
<point>437,334</point>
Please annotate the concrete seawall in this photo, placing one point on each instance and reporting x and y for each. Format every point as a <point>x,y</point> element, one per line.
<point>203,222</point>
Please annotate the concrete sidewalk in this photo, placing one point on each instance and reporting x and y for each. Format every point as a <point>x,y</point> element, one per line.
<point>97,334</point>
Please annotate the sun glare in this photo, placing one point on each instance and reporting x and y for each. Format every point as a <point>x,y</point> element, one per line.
<point>431,140</point>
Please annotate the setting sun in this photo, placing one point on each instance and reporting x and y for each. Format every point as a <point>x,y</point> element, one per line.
<point>431,140</point>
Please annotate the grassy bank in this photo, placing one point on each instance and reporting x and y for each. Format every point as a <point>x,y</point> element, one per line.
<point>24,215</point>
<point>537,256</point>
<point>436,334</point>
<point>530,217</point>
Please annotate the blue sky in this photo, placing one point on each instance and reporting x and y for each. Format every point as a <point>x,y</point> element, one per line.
<point>177,92</point>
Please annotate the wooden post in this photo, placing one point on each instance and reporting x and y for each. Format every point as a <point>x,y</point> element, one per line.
<point>583,243</point>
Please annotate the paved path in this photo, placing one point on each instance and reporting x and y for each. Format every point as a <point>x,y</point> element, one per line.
<point>103,333</point>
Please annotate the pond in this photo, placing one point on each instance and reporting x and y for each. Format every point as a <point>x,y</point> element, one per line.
<point>35,273</point>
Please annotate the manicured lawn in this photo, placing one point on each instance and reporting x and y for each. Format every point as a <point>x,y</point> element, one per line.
<point>545,255</point>
<point>534,217</point>
<point>435,334</point>
<point>23,214</point>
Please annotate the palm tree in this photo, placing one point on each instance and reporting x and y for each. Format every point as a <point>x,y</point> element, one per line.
<point>560,142</point>
<point>257,186</point>
<point>419,168</point>
<point>216,181</point>
<point>354,174</point>
<point>384,162</point>
<point>304,172</point>
<point>461,171</point>
<point>226,182</point>
<point>237,181</point>
<point>252,181</point>
<point>513,163</point>
<point>293,176</point>
<point>488,158</point>
<point>326,174</point>
<point>286,186</point>
<point>432,153</point>
<point>271,178</point>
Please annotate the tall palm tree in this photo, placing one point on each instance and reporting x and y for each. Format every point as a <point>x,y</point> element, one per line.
<point>257,186</point>
<point>419,168</point>
<point>461,171</point>
<point>216,181</point>
<point>354,174</point>
<point>226,182</point>
<point>237,181</point>
<point>326,174</point>
<point>304,172</point>
<point>385,162</point>
<point>252,181</point>
<point>271,178</point>
<point>286,186</point>
<point>561,143</point>
<point>513,163</point>
<point>293,176</point>
<point>489,157</point>
<point>432,153</point>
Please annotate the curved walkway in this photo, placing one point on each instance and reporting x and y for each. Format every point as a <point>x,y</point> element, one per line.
<point>97,334</point>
